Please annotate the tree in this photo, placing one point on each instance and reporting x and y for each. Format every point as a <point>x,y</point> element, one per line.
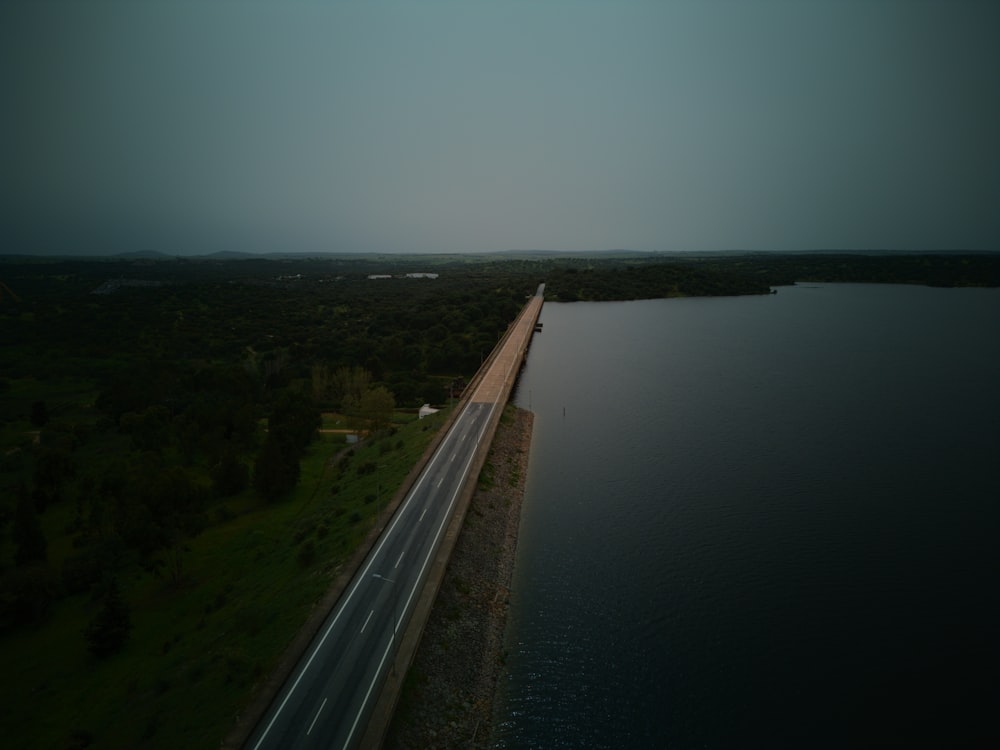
<point>95,563</point>
<point>54,466</point>
<point>230,476</point>
<point>294,420</point>
<point>151,507</point>
<point>377,406</point>
<point>109,629</point>
<point>135,389</point>
<point>321,380</point>
<point>149,429</point>
<point>27,531</point>
<point>349,385</point>
<point>39,414</point>
<point>172,514</point>
<point>276,469</point>
<point>26,593</point>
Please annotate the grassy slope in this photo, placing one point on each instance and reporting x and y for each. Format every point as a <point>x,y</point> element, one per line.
<point>197,649</point>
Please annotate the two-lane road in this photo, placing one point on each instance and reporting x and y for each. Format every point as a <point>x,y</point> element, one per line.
<point>326,702</point>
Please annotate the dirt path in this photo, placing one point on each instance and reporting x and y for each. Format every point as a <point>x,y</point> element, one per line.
<point>447,701</point>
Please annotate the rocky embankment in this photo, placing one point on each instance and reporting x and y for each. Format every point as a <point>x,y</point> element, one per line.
<point>447,700</point>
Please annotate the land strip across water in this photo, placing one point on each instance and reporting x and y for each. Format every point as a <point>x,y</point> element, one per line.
<point>448,698</point>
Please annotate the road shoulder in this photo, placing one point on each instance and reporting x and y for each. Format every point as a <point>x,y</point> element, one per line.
<point>448,695</point>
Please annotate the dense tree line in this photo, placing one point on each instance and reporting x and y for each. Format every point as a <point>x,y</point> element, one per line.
<point>289,315</point>
<point>281,321</point>
<point>612,281</point>
<point>931,269</point>
<point>176,441</point>
<point>757,273</point>
<point>210,375</point>
<point>205,388</point>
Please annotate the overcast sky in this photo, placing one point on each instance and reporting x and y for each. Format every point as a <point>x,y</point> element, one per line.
<point>482,126</point>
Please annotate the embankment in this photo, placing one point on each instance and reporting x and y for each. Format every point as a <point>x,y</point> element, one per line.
<point>447,700</point>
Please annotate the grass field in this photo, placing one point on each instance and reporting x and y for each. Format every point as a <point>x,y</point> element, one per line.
<point>198,647</point>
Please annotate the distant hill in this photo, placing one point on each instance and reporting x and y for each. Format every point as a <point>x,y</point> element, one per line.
<point>226,255</point>
<point>146,254</point>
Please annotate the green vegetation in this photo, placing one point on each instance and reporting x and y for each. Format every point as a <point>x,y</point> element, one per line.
<point>730,274</point>
<point>166,655</point>
<point>176,486</point>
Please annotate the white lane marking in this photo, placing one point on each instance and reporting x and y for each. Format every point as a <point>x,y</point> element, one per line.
<point>418,580</point>
<point>373,556</point>
<point>424,513</point>
<point>399,559</point>
<point>451,436</point>
<point>321,705</point>
<point>366,620</point>
<point>416,584</point>
<point>440,481</point>
<point>368,694</point>
<point>452,458</point>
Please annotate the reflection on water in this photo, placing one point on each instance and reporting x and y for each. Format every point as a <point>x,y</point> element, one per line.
<point>760,522</point>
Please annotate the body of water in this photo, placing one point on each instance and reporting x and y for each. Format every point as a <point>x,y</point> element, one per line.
<point>761,522</point>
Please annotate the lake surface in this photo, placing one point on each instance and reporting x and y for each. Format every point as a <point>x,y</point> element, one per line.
<point>761,522</point>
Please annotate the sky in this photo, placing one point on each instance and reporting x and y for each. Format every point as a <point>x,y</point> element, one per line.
<point>442,126</point>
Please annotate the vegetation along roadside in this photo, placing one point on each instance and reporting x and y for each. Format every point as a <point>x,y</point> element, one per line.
<point>177,489</point>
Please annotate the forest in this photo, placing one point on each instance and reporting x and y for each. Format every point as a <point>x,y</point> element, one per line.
<point>177,485</point>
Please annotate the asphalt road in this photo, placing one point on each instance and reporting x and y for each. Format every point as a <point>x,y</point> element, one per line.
<point>328,698</point>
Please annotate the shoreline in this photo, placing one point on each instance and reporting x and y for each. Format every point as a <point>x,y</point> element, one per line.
<point>449,693</point>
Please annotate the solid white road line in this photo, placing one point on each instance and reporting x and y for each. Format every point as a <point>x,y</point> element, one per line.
<point>341,607</point>
<point>371,559</point>
<point>416,584</point>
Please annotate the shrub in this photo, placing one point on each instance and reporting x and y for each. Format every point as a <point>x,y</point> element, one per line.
<point>26,593</point>
<point>307,554</point>
<point>109,629</point>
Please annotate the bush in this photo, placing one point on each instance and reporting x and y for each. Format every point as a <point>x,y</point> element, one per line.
<point>39,414</point>
<point>109,629</point>
<point>230,476</point>
<point>26,593</point>
<point>307,554</point>
<point>81,571</point>
<point>276,470</point>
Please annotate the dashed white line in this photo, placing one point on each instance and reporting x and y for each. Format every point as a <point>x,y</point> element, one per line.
<point>420,575</point>
<point>399,559</point>
<point>316,716</point>
<point>422,514</point>
<point>424,476</point>
<point>366,620</point>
